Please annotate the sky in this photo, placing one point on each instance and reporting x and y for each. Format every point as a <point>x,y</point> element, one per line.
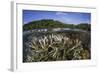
<point>65,17</point>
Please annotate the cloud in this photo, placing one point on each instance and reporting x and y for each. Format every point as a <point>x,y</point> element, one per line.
<point>63,17</point>
<point>61,13</point>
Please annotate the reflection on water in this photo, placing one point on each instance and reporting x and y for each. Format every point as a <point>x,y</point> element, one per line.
<point>53,30</point>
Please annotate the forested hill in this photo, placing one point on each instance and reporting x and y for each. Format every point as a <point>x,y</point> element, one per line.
<point>49,23</point>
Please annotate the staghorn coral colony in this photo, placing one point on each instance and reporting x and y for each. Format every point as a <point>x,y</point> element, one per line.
<point>56,46</point>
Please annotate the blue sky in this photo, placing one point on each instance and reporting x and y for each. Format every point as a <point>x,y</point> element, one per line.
<point>65,17</point>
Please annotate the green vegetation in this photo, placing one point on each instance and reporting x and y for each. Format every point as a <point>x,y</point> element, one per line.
<point>54,24</point>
